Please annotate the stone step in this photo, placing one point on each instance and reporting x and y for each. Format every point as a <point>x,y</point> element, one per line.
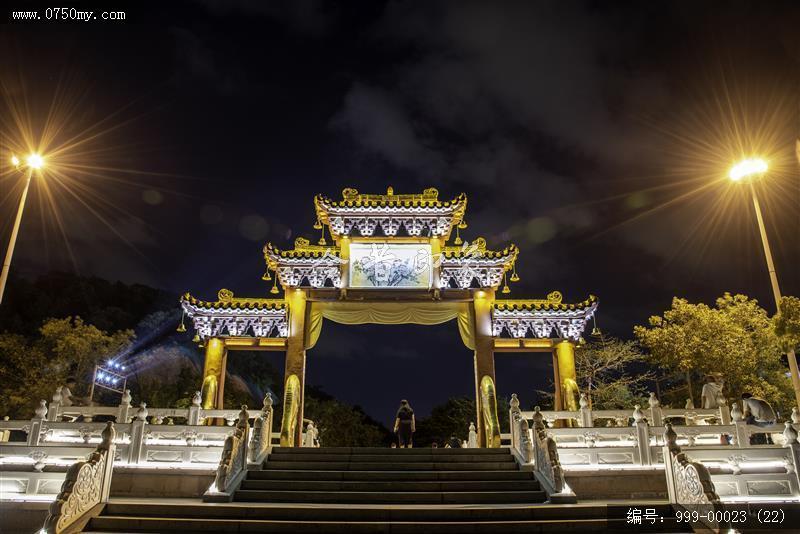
<point>337,475</point>
<point>391,497</point>
<point>385,450</point>
<point>353,512</point>
<point>390,466</point>
<point>530,484</point>
<point>378,458</point>
<point>127,524</point>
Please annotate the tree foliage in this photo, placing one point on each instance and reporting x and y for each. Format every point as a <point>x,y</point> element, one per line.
<point>452,419</point>
<point>787,323</point>
<point>735,338</point>
<point>32,369</point>
<point>341,425</point>
<point>604,372</point>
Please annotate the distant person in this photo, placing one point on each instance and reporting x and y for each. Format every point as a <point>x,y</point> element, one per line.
<point>453,443</point>
<point>711,395</point>
<point>405,425</point>
<point>758,412</point>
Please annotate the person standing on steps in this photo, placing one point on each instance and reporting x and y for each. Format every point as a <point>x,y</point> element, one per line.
<point>405,424</point>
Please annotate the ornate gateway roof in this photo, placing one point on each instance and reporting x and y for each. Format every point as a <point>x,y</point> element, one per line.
<point>421,263</point>
<point>418,214</point>
<point>232,316</point>
<point>540,318</point>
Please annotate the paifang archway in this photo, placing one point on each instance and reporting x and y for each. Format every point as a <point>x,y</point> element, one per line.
<point>390,263</point>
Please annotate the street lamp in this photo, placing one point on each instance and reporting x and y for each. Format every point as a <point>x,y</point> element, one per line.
<point>33,162</point>
<point>749,170</point>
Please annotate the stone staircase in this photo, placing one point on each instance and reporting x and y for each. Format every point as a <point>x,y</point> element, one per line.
<point>369,490</point>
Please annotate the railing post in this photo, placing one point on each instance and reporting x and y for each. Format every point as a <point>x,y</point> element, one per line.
<point>670,444</point>
<point>642,436</point>
<point>124,407</point>
<point>35,433</point>
<point>790,437</point>
<point>194,410</point>
<point>55,406</point>
<point>513,417</point>
<point>137,435</point>
<point>741,435</point>
<point>656,415</point>
<point>586,420</point>
<point>724,413</point>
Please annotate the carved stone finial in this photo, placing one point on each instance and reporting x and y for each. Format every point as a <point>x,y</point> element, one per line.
<point>41,410</point>
<point>795,416</point>
<point>57,395</point>
<point>670,436</point>
<point>514,402</point>
<point>789,434</point>
<point>736,412</point>
<point>472,427</point>
<point>267,402</point>
<point>538,418</point>
<point>243,417</point>
<point>583,401</point>
<point>107,436</point>
<point>141,413</point>
<point>653,400</point>
<point>689,404</point>
<point>126,398</point>
<point>638,414</point>
<point>197,399</point>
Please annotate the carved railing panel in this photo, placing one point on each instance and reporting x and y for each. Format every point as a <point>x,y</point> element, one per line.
<point>234,455</point>
<point>86,485</point>
<point>545,453</point>
<point>262,432</point>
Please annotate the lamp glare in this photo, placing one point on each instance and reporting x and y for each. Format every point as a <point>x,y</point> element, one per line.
<point>747,168</point>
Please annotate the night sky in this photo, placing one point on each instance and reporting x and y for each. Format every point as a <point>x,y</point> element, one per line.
<point>594,135</point>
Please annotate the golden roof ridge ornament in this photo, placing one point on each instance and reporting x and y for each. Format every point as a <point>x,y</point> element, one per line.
<point>419,214</point>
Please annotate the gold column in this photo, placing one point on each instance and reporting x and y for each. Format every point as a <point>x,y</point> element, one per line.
<point>296,358</point>
<point>436,251</point>
<point>214,374</point>
<point>567,384</point>
<point>484,355</point>
<point>344,256</point>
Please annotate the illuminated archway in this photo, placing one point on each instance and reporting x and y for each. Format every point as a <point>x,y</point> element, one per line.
<point>390,279</point>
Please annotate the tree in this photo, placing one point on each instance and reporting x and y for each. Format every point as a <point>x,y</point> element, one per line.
<point>734,338</point>
<point>603,369</point>
<point>341,425</point>
<point>452,419</point>
<point>787,323</point>
<point>32,369</point>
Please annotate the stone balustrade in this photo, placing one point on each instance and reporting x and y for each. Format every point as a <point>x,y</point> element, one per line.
<point>138,443</point>
<point>711,475</point>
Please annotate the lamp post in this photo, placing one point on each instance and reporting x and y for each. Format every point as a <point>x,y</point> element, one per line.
<point>32,163</point>
<point>749,170</point>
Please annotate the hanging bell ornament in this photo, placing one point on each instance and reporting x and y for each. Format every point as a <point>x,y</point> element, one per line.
<point>458,239</point>
<point>506,289</point>
<point>317,225</point>
<point>196,339</point>
<point>596,332</point>
<point>266,276</point>
<point>181,327</point>
<point>514,275</point>
<point>321,241</point>
<point>463,224</point>
<point>274,289</point>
